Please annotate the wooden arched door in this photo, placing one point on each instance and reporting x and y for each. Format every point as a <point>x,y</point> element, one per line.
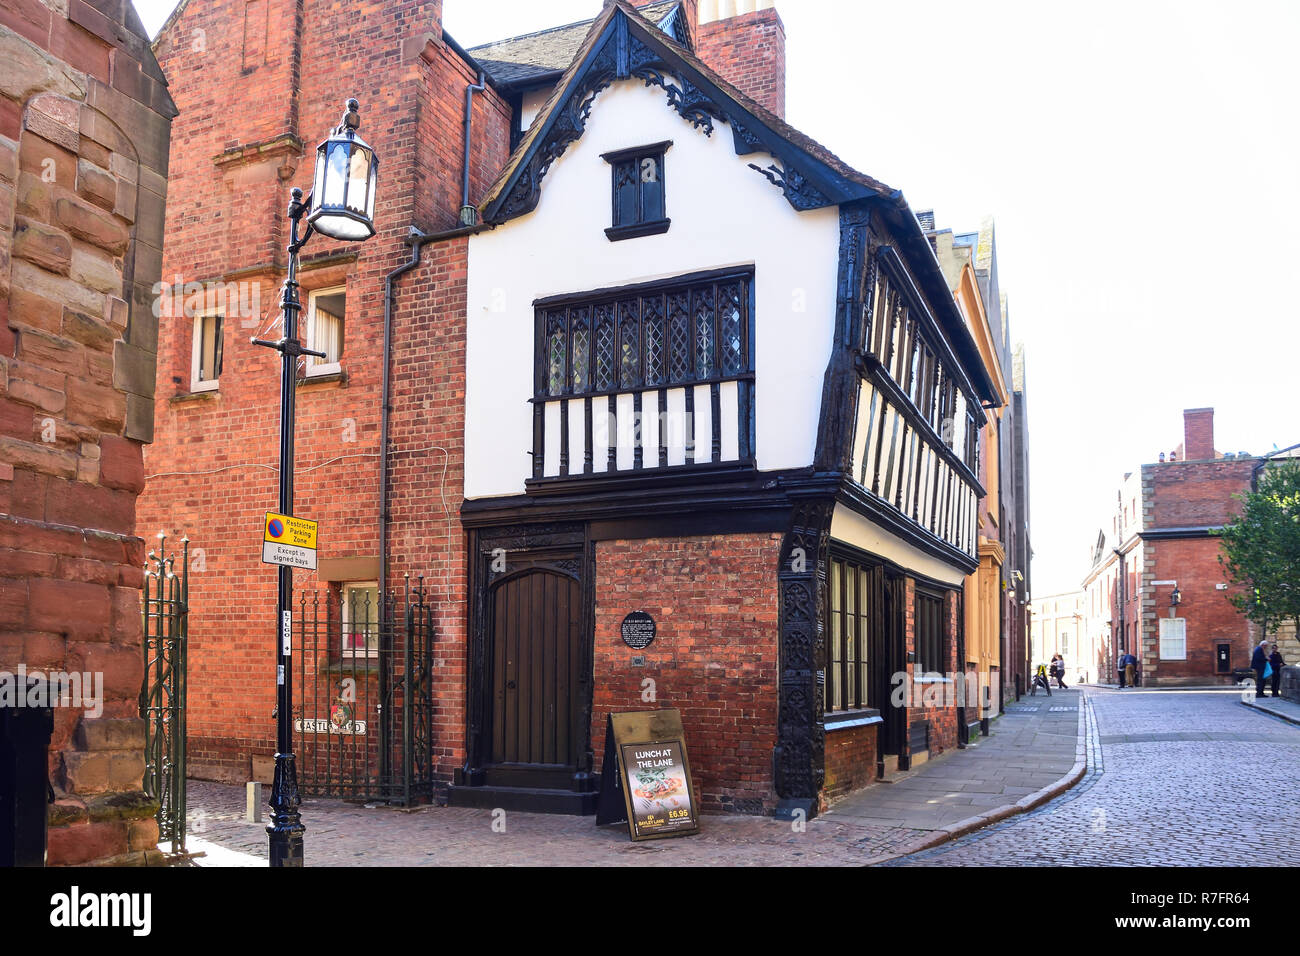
<point>534,663</point>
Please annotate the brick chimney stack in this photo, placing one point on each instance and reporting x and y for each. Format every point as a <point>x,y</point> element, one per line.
<point>1198,434</point>
<point>744,41</point>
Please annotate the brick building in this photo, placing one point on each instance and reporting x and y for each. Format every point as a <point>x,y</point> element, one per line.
<point>84,129</point>
<point>488,351</point>
<point>1159,539</point>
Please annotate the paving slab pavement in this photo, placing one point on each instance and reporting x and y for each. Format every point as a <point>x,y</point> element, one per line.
<point>1288,710</point>
<point>1032,746</point>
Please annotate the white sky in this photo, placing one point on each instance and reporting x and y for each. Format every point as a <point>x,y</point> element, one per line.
<point>1140,160</point>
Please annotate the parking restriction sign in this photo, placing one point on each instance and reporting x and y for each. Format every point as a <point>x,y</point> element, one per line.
<point>289,541</point>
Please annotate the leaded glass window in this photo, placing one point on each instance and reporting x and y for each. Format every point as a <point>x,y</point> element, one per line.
<point>652,320</point>
<point>556,358</point>
<point>679,336</point>
<point>665,335</point>
<point>581,350</point>
<point>705,357</point>
<point>604,377</point>
<point>730,315</point>
<point>629,344</point>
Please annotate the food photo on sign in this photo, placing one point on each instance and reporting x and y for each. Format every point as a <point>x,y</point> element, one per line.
<point>660,797</point>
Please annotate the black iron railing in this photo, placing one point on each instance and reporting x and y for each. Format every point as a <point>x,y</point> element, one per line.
<point>165,612</point>
<point>363,719</point>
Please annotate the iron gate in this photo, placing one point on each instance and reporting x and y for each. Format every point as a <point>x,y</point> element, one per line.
<point>165,610</point>
<point>363,714</point>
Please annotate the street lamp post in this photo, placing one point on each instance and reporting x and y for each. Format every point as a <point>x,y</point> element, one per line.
<point>341,205</point>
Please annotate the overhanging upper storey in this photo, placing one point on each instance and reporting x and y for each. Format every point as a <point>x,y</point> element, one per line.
<point>914,442</point>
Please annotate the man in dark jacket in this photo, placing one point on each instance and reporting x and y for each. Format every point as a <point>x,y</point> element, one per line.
<point>1277,663</point>
<point>1258,661</point>
<point>1128,670</point>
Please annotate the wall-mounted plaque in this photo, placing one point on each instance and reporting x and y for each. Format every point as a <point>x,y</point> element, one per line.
<point>638,630</point>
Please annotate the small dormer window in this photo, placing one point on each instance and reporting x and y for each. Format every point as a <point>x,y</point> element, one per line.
<point>638,191</point>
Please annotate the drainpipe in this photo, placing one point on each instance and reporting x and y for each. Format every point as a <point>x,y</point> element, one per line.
<point>416,239</point>
<point>468,214</point>
<point>413,237</point>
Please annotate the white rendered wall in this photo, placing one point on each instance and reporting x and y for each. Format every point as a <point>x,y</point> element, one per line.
<point>852,528</point>
<point>723,214</point>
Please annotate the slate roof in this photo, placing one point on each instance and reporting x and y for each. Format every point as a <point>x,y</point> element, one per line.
<point>544,55</point>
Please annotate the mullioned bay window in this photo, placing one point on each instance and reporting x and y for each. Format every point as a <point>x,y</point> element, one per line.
<point>915,444</point>
<point>654,376</point>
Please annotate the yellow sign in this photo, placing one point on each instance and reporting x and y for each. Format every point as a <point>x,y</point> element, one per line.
<point>289,541</point>
<point>286,529</point>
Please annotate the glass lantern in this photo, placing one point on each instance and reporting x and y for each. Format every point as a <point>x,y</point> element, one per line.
<point>343,189</point>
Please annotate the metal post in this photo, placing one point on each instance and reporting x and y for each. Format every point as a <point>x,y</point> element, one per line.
<point>286,829</point>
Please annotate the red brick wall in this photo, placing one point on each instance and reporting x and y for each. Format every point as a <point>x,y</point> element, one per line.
<point>427,467</point>
<point>212,470</point>
<point>714,657</point>
<point>748,51</point>
<point>1211,619</point>
<point>1183,495</point>
<point>850,759</point>
<point>1195,494</point>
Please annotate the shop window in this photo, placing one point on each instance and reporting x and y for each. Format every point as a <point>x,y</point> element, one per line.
<point>929,624</point>
<point>638,192</point>
<point>360,613</point>
<point>325,311</point>
<point>848,681</point>
<point>205,367</point>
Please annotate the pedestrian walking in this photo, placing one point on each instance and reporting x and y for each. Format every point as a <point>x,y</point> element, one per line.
<point>1276,662</point>
<point>1040,680</point>
<point>1058,671</point>
<point>1130,669</point>
<point>1259,664</point>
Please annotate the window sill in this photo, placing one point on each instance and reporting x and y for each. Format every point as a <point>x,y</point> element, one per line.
<point>349,665</point>
<point>336,379</point>
<point>635,230</point>
<point>931,680</point>
<point>844,719</point>
<point>205,395</point>
<point>659,475</point>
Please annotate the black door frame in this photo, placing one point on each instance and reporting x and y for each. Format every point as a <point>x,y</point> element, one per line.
<point>562,547</point>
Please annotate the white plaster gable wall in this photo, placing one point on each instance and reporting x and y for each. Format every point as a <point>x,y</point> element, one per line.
<point>723,214</point>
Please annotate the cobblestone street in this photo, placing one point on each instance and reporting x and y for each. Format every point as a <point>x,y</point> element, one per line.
<point>1174,778</point>
<point>1185,779</point>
